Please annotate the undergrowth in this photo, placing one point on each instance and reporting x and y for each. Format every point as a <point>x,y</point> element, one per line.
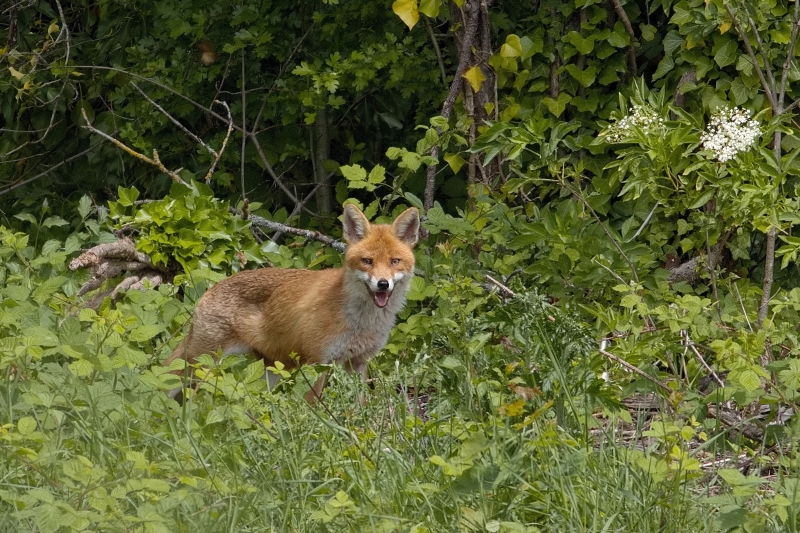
<point>484,413</point>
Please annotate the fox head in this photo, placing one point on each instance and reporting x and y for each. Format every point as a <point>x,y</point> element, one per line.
<point>380,254</point>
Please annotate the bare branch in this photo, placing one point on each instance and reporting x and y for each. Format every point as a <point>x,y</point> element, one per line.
<point>155,161</point>
<point>251,135</point>
<point>244,130</point>
<point>270,170</point>
<point>579,195</point>
<point>278,76</point>
<point>753,59</point>
<point>110,260</point>
<point>48,171</point>
<point>634,369</point>
<point>261,222</point>
<point>768,275</point>
<point>688,270</point>
<point>505,290</point>
<point>436,50</point>
<point>789,53</point>
<point>224,142</point>
<point>764,56</point>
<point>298,208</point>
<point>690,344</point>
<point>464,55</point>
<point>175,121</point>
<point>734,421</point>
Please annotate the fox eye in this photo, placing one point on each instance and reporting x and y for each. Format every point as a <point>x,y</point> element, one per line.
<point>395,261</point>
<point>366,260</point>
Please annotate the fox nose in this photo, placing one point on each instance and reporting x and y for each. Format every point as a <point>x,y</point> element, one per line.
<point>383,285</point>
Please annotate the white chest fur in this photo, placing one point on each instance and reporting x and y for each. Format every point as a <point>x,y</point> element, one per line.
<point>368,326</point>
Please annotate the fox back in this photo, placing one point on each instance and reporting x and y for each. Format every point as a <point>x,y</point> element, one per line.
<point>339,315</point>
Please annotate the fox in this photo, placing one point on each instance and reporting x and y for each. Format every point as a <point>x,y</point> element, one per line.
<point>299,317</point>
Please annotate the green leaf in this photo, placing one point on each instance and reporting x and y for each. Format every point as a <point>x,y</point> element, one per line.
<point>26,425</point>
<point>54,222</point>
<point>750,380</point>
<point>430,8</point>
<point>408,12</point>
<point>703,199</point>
<point>557,106</point>
<point>26,217</point>
<point>353,172</point>
<point>84,206</point>
<point>377,175</point>
<point>145,333</point>
<point>619,38</point>
<point>455,161</point>
<point>630,300</point>
<point>46,288</point>
<point>512,47</point>
<point>665,66</point>
<point>727,54</point>
<point>585,77</point>
<point>81,368</point>
<point>148,484</point>
<point>127,196</point>
<point>581,44</point>
<point>672,41</point>
<point>216,415</point>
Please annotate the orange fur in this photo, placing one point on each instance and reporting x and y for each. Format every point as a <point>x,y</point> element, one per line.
<point>338,315</point>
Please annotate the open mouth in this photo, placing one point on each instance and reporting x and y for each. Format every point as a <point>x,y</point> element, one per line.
<point>381,298</point>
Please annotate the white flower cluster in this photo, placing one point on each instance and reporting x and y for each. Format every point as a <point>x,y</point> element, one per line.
<point>643,118</point>
<point>729,132</point>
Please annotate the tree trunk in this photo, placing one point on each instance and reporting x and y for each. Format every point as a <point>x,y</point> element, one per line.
<point>322,151</point>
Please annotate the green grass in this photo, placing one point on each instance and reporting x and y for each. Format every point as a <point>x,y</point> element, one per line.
<point>112,453</point>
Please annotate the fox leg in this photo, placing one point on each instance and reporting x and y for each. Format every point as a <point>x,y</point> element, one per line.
<point>315,394</point>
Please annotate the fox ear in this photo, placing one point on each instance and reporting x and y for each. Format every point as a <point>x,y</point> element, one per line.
<point>356,225</point>
<point>406,226</point>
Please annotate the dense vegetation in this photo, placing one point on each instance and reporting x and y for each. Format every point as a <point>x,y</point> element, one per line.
<point>603,332</point>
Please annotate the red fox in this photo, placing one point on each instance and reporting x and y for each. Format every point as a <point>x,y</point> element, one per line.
<point>341,315</point>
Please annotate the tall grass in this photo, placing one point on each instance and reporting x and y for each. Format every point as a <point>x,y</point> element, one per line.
<point>113,453</point>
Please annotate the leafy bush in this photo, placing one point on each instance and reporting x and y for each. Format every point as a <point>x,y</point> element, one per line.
<point>465,438</point>
<point>189,226</point>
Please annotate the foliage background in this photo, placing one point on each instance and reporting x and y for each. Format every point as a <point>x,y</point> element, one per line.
<point>497,405</point>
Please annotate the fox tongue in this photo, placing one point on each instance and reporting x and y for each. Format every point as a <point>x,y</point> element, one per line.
<point>381,298</point>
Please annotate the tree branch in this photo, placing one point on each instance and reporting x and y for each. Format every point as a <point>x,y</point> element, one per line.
<point>244,131</point>
<point>789,53</point>
<point>261,222</point>
<point>436,50</point>
<point>155,161</point>
<point>765,57</point>
<point>768,275</point>
<point>464,55</point>
<point>48,171</point>
<point>175,121</point>
<point>218,155</point>
<point>628,28</point>
<point>753,58</point>
<point>634,369</point>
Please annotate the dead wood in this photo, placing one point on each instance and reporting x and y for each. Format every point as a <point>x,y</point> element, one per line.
<point>735,422</point>
<point>689,271</point>
<point>109,261</point>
